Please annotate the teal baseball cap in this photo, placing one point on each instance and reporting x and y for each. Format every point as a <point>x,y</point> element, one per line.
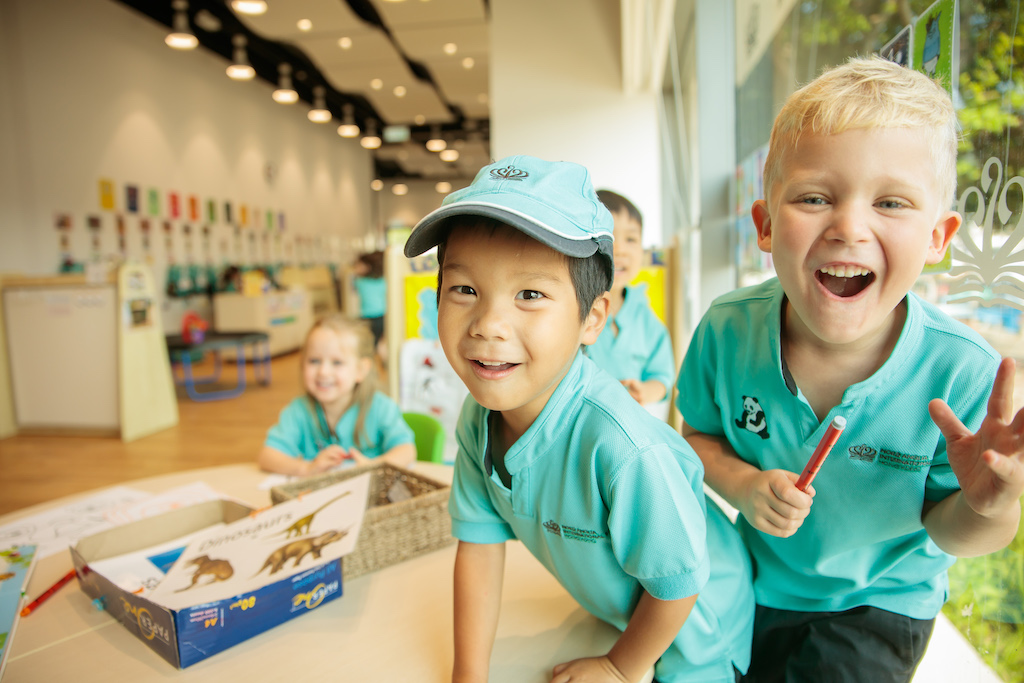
<point>553,202</point>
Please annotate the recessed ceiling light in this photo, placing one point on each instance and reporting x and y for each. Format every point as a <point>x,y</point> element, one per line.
<point>376,184</point>
<point>252,7</point>
<point>400,189</point>
<point>419,119</point>
<point>399,91</point>
<point>304,25</point>
<point>468,63</point>
<point>450,48</point>
<point>449,154</point>
<point>376,84</point>
<point>443,187</point>
<point>344,42</point>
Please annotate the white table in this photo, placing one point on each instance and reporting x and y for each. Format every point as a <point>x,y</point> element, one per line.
<point>391,625</point>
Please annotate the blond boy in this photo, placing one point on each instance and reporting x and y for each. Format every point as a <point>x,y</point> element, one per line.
<point>850,574</point>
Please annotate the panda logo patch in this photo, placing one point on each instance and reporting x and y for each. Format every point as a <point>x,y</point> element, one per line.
<point>753,418</point>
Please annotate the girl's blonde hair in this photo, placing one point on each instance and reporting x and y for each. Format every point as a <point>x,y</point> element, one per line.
<point>868,92</point>
<point>362,395</point>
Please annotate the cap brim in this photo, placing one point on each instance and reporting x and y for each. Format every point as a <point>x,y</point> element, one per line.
<point>430,231</point>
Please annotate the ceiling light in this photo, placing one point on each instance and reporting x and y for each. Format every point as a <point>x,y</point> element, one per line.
<point>285,93</point>
<point>319,113</point>
<point>436,143</point>
<point>419,119</point>
<point>181,36</point>
<point>376,84</point>
<point>371,140</point>
<point>443,187</point>
<point>304,25</point>
<point>450,48</point>
<point>344,42</point>
<point>400,189</point>
<point>399,91</point>
<point>240,69</point>
<point>449,154</point>
<point>468,63</point>
<point>250,7</point>
<point>348,127</point>
<point>376,184</point>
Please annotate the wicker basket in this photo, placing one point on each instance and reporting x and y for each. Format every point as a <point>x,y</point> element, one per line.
<point>391,532</point>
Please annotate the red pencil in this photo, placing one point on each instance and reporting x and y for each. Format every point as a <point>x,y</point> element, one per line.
<point>821,452</point>
<point>30,607</point>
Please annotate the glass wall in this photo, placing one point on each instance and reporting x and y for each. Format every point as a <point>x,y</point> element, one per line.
<point>782,45</point>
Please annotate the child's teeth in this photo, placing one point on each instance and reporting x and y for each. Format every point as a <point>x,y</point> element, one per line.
<point>484,362</point>
<point>844,271</point>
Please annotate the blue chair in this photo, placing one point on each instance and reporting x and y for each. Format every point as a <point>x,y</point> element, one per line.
<point>429,435</point>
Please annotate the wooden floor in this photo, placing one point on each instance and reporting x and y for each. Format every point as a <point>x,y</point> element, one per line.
<point>39,468</point>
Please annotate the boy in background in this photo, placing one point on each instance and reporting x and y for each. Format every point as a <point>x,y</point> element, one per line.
<point>554,453</point>
<point>634,346</point>
<point>859,178</point>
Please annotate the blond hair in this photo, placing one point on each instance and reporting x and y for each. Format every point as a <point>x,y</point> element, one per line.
<point>362,395</point>
<point>868,92</point>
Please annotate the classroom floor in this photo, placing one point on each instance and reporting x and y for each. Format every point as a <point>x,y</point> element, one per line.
<point>36,469</point>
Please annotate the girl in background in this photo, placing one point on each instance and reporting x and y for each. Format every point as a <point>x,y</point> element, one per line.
<point>342,416</point>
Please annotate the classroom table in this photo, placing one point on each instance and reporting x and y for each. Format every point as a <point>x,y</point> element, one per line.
<point>394,624</point>
<point>180,351</point>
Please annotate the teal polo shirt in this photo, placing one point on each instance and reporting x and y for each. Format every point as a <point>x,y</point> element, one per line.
<point>863,542</point>
<point>642,348</point>
<point>611,501</point>
<point>373,294</point>
<point>300,432</point>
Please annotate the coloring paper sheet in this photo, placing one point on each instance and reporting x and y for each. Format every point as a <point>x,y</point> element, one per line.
<point>15,568</point>
<point>55,530</point>
<point>273,544</point>
<point>182,496</point>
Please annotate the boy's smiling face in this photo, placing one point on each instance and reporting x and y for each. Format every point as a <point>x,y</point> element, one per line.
<point>509,321</point>
<point>629,249</point>
<point>851,222</point>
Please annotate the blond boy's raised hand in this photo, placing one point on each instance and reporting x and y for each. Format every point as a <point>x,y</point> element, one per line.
<point>988,464</point>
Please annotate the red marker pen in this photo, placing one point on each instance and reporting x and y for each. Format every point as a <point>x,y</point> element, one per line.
<point>821,452</point>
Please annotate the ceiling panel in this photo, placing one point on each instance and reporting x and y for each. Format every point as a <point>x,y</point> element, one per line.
<point>280,22</point>
<point>404,13</point>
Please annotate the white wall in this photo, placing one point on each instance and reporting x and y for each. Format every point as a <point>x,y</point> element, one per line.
<point>556,93</point>
<point>90,91</point>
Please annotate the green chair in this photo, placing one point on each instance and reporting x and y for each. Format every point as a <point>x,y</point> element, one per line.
<point>429,436</point>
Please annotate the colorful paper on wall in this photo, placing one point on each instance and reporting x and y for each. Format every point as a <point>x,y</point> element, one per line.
<point>106,194</point>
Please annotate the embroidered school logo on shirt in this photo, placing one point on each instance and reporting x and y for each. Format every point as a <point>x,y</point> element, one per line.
<point>572,533</point>
<point>863,452</point>
<point>753,418</point>
<point>889,458</point>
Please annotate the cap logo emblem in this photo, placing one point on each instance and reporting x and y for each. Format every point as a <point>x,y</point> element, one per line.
<point>509,173</point>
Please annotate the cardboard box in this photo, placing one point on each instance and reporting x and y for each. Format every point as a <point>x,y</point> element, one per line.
<point>186,636</point>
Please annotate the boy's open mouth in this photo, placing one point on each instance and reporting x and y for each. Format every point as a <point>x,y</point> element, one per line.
<point>495,366</point>
<point>845,281</point>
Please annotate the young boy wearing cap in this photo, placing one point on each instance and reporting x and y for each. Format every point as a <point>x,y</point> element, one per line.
<point>554,453</point>
<point>634,346</point>
<point>859,178</point>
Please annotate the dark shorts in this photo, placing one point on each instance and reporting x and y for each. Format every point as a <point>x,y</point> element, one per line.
<point>861,645</point>
<point>377,327</point>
